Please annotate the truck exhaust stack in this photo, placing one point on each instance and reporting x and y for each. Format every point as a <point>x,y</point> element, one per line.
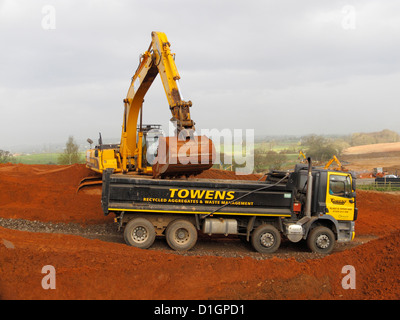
<point>309,189</point>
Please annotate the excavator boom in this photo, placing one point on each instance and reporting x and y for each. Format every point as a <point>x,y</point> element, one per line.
<point>158,59</point>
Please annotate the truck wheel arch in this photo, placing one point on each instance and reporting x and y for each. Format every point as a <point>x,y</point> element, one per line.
<point>324,220</point>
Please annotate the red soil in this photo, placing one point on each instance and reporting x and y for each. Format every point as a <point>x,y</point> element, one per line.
<point>47,193</point>
<point>93,269</point>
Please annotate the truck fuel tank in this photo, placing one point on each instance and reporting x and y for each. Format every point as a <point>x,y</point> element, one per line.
<point>220,226</point>
<point>294,232</point>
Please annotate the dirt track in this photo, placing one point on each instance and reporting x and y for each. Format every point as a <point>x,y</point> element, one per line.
<point>96,264</point>
<point>373,148</point>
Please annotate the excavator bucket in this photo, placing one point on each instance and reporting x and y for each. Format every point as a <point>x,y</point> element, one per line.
<point>178,157</point>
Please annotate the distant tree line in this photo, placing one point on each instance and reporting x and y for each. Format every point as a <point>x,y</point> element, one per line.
<point>384,136</point>
<point>320,148</point>
<point>6,156</point>
<point>268,160</point>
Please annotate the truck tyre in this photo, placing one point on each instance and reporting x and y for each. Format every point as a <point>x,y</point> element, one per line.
<point>140,233</point>
<point>266,239</point>
<point>321,240</point>
<point>181,235</point>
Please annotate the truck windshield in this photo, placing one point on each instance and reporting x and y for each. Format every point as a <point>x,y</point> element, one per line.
<point>339,185</point>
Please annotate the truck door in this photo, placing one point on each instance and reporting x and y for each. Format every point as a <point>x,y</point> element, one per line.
<point>340,200</point>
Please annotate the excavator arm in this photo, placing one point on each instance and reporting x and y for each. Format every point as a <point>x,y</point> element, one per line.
<point>164,60</point>
<point>158,59</point>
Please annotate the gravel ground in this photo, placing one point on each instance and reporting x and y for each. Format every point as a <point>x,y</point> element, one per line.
<point>216,245</point>
<point>106,232</point>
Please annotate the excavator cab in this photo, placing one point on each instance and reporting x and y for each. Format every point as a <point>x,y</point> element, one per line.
<point>102,156</point>
<point>150,141</point>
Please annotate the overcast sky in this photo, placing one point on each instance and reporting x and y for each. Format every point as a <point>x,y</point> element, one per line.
<point>278,67</point>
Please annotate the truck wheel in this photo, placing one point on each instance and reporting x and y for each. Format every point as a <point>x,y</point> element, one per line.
<point>266,239</point>
<point>321,240</point>
<point>181,235</point>
<point>139,232</point>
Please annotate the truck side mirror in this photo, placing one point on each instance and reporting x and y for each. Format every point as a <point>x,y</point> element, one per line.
<point>353,181</point>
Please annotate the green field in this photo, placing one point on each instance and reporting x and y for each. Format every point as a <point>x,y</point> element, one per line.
<point>376,187</point>
<point>42,158</point>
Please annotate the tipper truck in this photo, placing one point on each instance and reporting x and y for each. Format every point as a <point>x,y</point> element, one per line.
<point>312,204</point>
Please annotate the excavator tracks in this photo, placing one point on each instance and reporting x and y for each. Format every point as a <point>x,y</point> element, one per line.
<point>90,181</point>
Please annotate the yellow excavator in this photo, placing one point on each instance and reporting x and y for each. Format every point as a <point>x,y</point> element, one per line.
<point>338,163</point>
<point>184,154</point>
<point>302,157</point>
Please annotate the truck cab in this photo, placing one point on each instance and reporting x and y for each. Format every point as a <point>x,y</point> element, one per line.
<point>333,200</point>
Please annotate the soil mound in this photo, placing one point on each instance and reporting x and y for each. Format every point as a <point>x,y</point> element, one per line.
<point>47,193</point>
